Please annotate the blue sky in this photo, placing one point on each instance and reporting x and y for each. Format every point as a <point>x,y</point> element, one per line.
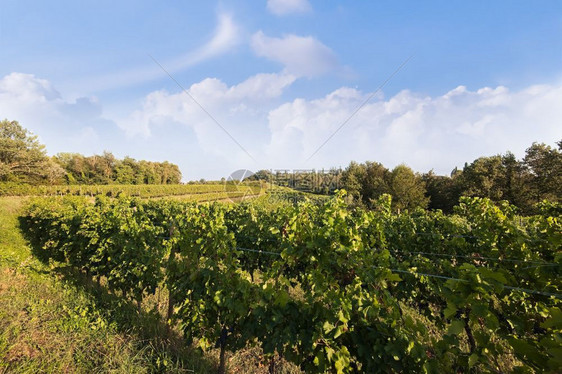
<point>281,76</point>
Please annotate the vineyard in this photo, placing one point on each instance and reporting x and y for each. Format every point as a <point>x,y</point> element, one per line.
<point>198,192</point>
<point>327,287</point>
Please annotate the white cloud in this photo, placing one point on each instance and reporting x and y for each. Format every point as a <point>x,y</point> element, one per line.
<point>283,7</point>
<point>424,132</point>
<point>300,55</point>
<point>213,95</point>
<point>63,124</point>
<point>240,109</point>
<point>225,37</point>
<point>26,87</point>
<point>262,86</point>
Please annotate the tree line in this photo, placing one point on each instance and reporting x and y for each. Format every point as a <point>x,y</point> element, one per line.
<point>523,183</point>
<point>23,159</point>
<point>106,169</point>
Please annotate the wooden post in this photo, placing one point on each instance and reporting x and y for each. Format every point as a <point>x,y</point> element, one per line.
<point>171,258</point>
<point>222,359</point>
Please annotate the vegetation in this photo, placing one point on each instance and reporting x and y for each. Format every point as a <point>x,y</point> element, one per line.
<point>328,287</point>
<point>106,169</point>
<point>523,183</point>
<point>130,266</point>
<point>196,191</point>
<point>53,321</point>
<point>24,159</point>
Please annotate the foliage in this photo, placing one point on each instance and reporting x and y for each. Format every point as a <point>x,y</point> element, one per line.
<point>313,181</point>
<point>106,169</point>
<point>523,183</point>
<point>545,167</point>
<point>23,158</point>
<point>332,288</point>
<point>443,192</point>
<point>366,182</point>
<point>407,189</point>
<point>192,192</point>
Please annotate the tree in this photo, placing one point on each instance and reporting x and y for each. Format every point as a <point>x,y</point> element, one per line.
<point>365,182</point>
<point>407,189</point>
<point>23,158</point>
<point>352,180</point>
<point>376,181</point>
<point>443,191</point>
<point>106,169</point>
<point>545,167</point>
<point>124,173</point>
<point>484,177</point>
<point>517,188</point>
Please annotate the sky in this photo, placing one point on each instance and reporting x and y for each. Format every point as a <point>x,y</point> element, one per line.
<point>217,86</point>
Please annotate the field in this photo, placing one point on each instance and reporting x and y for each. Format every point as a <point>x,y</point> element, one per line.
<point>191,192</point>
<point>276,286</point>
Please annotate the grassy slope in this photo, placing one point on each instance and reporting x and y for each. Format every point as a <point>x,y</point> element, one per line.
<point>49,322</point>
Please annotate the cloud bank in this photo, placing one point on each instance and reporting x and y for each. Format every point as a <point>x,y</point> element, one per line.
<point>425,132</point>
<point>73,125</point>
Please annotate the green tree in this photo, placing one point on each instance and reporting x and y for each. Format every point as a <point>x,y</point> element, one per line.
<point>485,177</point>
<point>545,167</point>
<point>23,158</point>
<point>124,174</point>
<point>517,187</point>
<point>443,191</point>
<point>407,189</point>
<point>376,181</point>
<point>106,169</point>
<point>365,182</point>
<point>352,180</point>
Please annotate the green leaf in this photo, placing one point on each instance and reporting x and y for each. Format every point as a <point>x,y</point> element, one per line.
<point>327,327</point>
<point>525,350</point>
<point>339,331</point>
<point>329,352</point>
<point>450,310</point>
<point>282,298</point>
<point>472,360</point>
<point>555,320</point>
<point>456,327</point>
<point>341,317</point>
